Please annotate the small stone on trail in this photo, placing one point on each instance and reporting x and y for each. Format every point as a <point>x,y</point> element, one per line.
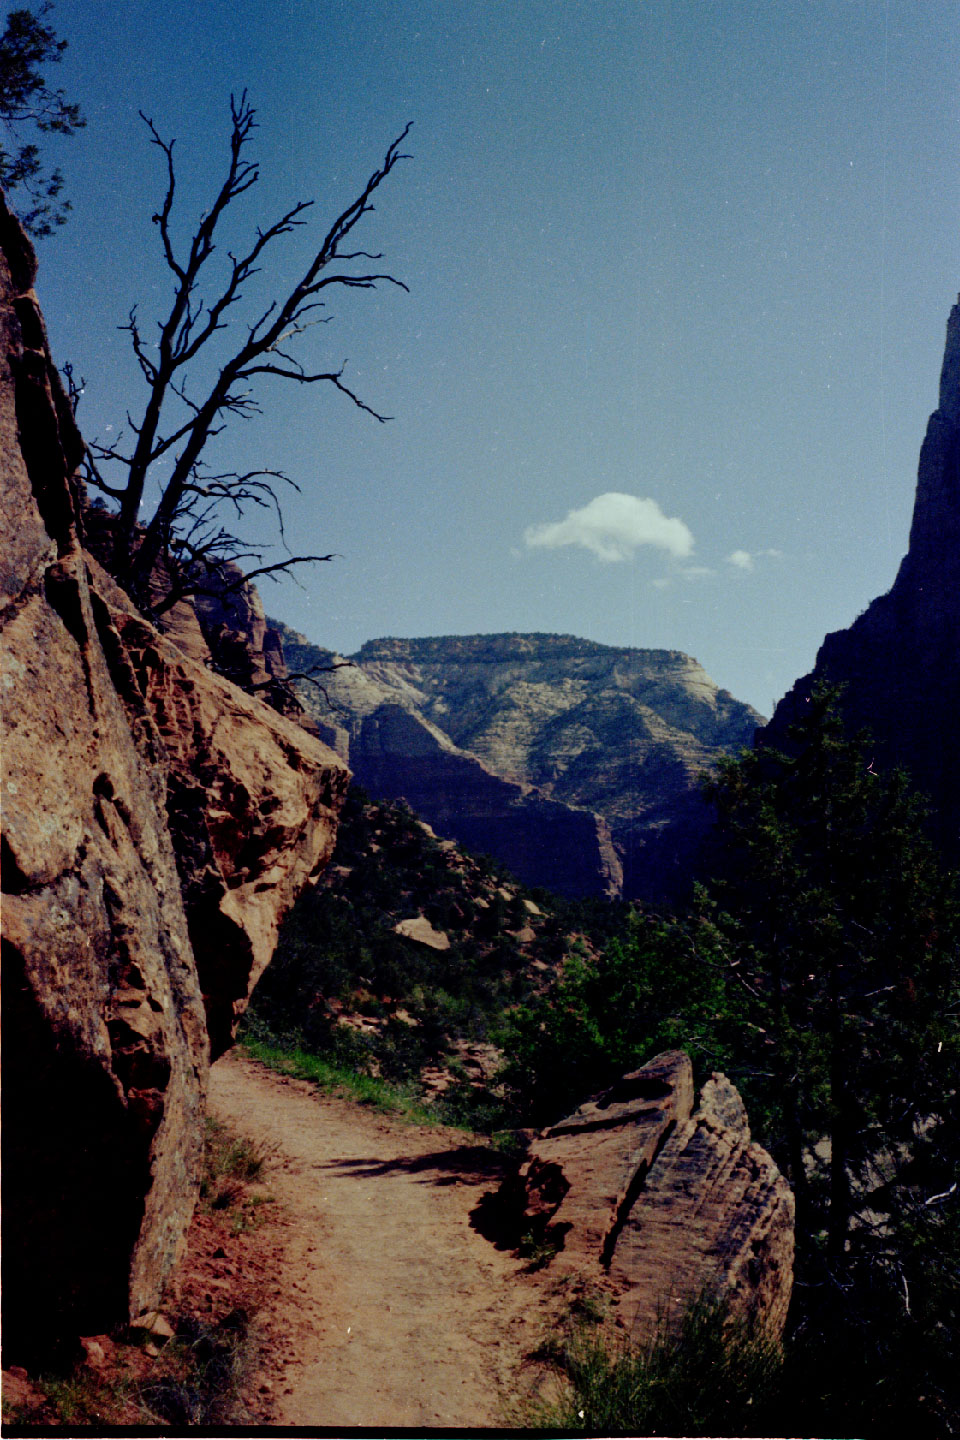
<point>94,1354</point>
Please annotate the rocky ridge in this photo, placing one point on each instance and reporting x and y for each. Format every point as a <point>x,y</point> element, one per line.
<point>898,660</point>
<point>574,763</point>
<point>157,824</point>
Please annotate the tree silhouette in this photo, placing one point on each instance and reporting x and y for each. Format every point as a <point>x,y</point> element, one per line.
<point>185,536</point>
<point>26,101</point>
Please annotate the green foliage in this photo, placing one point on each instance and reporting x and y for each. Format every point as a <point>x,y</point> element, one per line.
<point>339,955</point>
<point>708,1377</point>
<point>842,934</point>
<point>654,988</point>
<point>822,972</point>
<point>539,1247</point>
<point>288,1058</point>
<point>26,46</point>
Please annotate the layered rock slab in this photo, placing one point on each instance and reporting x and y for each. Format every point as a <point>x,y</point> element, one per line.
<point>669,1204</point>
<point>714,1215</point>
<point>583,1171</point>
<point>156,825</point>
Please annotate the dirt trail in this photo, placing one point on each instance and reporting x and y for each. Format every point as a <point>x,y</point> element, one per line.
<point>394,1311</point>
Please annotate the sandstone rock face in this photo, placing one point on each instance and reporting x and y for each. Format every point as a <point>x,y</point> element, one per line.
<point>251,803</point>
<point>539,749</point>
<point>898,661</point>
<point>667,1203</point>
<point>221,625</point>
<point>156,825</point>
<point>243,646</point>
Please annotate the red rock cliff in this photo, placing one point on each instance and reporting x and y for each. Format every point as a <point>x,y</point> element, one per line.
<point>157,825</point>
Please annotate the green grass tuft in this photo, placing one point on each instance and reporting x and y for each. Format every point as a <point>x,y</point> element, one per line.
<point>707,1376</point>
<point>230,1162</point>
<point>400,1101</point>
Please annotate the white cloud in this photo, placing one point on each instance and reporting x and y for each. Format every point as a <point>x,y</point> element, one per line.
<point>742,559</point>
<point>613,526</point>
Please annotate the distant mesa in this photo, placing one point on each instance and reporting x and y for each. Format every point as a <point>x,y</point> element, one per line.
<point>573,763</point>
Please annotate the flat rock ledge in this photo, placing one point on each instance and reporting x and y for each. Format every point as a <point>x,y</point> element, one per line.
<point>663,1203</point>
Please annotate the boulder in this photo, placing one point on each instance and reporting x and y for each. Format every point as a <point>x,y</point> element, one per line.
<point>714,1217</point>
<point>156,825</point>
<point>418,928</point>
<point>663,1204</point>
<point>583,1172</point>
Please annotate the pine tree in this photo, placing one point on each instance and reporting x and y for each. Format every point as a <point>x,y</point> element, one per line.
<point>27,103</point>
<point>840,932</point>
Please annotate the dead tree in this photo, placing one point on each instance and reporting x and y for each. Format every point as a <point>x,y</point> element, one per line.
<point>187,535</point>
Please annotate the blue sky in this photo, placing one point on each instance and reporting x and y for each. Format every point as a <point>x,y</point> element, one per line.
<point>678,275</point>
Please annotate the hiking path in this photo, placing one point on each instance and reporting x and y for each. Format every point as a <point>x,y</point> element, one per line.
<point>391,1309</point>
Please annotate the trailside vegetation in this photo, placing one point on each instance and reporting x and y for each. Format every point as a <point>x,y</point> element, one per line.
<point>821,970</point>
<point>707,1376</point>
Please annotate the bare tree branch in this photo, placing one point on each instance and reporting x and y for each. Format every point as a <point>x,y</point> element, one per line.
<point>189,499</point>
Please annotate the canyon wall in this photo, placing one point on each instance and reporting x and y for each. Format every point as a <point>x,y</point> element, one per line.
<point>898,660</point>
<point>574,763</point>
<point>156,826</point>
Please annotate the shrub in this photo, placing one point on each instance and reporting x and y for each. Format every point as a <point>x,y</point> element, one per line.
<point>229,1162</point>
<point>707,1377</point>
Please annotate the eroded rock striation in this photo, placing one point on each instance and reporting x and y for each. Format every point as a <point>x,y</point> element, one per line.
<point>666,1202</point>
<point>157,824</point>
<point>898,660</point>
<point>574,763</point>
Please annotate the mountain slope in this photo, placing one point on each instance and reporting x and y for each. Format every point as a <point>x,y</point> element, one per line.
<point>537,748</point>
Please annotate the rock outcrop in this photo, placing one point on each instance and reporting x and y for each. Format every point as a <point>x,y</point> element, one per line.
<point>667,1203</point>
<point>157,824</point>
<point>898,660</point>
<point>222,625</point>
<point>574,763</point>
